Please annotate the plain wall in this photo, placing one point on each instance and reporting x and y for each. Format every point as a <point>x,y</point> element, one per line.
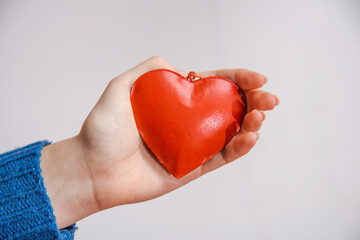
<point>301,181</point>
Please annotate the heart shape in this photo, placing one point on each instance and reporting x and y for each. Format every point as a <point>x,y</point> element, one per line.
<point>185,122</point>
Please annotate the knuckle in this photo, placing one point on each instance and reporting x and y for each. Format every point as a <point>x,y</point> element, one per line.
<point>158,61</point>
<point>117,80</point>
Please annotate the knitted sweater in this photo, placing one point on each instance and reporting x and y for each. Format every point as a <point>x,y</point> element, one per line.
<point>25,208</point>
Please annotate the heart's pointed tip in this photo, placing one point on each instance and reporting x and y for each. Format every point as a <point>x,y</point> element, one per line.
<point>178,177</point>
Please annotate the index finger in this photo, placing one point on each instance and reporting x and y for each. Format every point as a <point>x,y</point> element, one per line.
<point>244,78</point>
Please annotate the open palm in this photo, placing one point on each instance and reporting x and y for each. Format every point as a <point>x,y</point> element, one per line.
<point>123,169</point>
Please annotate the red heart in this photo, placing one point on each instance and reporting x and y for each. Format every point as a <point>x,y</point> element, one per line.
<point>185,122</point>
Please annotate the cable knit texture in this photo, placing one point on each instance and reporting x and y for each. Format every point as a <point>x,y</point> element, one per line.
<point>25,208</point>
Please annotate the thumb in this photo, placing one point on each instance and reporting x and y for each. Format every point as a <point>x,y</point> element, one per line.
<point>118,89</point>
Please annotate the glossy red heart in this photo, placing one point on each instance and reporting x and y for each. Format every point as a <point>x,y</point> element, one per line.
<point>183,122</point>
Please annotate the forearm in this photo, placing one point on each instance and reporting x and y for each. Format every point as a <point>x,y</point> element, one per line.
<point>67,181</point>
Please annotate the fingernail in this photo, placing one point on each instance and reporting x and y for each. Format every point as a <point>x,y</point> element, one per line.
<point>258,135</point>
<point>264,116</point>
<point>266,79</point>
<point>277,100</point>
<point>263,77</point>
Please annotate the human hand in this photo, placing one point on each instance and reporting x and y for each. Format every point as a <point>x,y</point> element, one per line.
<point>110,165</point>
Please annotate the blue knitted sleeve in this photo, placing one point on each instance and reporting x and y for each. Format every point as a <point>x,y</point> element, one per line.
<point>25,208</point>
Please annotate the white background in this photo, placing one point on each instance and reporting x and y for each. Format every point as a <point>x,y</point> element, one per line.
<point>301,181</point>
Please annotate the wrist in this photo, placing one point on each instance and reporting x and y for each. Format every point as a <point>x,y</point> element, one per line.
<point>67,181</point>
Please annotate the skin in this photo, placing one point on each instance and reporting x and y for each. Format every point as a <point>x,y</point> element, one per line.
<point>107,164</point>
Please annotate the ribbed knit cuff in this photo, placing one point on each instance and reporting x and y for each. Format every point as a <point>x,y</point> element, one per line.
<point>25,208</point>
